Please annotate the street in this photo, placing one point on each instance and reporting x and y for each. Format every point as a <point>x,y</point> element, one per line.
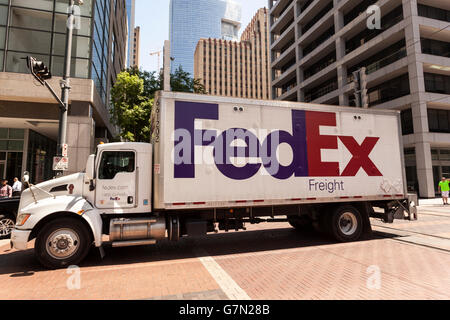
<point>404,260</point>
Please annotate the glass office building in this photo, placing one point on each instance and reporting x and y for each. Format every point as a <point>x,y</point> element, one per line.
<point>192,20</point>
<point>131,7</point>
<point>38,28</point>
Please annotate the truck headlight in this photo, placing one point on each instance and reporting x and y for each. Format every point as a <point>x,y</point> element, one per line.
<point>21,219</point>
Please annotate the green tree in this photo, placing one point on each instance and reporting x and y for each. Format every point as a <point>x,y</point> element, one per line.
<point>132,99</point>
<point>152,81</point>
<point>181,81</point>
<point>131,108</point>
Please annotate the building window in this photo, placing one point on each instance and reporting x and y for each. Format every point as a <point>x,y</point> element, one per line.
<point>407,122</point>
<point>379,60</point>
<point>389,20</point>
<point>305,5</point>
<point>437,83</point>
<point>411,170</point>
<point>433,13</point>
<point>318,41</point>
<point>321,90</point>
<point>38,28</point>
<point>389,90</point>
<point>317,17</point>
<point>437,48</point>
<point>41,151</point>
<point>320,65</point>
<point>439,120</point>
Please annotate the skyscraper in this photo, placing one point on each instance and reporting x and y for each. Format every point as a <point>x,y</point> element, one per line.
<point>131,21</point>
<point>237,69</point>
<point>136,47</point>
<point>192,20</point>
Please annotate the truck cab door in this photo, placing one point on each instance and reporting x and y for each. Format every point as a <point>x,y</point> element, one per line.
<point>116,180</point>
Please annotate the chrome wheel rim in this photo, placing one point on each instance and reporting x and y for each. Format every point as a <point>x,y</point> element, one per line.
<point>348,223</point>
<point>62,244</point>
<point>6,227</point>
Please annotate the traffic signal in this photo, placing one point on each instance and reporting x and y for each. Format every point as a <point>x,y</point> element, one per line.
<point>357,80</point>
<point>38,69</point>
<point>363,88</point>
<point>360,81</point>
<point>357,92</point>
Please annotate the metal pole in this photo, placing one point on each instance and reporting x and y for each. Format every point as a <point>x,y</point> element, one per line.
<point>65,84</point>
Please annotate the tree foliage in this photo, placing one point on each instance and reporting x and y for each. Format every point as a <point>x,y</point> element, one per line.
<point>132,99</point>
<point>131,108</point>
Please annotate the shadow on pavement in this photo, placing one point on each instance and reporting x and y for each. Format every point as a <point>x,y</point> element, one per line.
<point>24,264</point>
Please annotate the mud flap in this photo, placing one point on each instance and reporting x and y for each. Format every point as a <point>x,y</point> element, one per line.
<point>101,250</point>
<point>366,211</point>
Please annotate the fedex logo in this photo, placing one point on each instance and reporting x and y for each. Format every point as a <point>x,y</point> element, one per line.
<point>305,141</point>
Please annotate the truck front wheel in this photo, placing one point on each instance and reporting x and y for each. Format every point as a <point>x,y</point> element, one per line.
<point>62,242</point>
<point>346,224</point>
<point>7,223</point>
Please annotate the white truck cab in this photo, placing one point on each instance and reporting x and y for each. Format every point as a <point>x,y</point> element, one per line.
<point>117,182</point>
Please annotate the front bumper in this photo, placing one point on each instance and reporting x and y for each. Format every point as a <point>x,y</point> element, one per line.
<point>19,239</point>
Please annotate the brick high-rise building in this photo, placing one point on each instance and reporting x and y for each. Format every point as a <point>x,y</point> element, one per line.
<point>237,69</point>
<point>136,47</point>
<point>191,21</point>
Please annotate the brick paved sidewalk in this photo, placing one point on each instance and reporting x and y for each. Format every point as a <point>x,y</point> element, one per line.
<point>269,261</point>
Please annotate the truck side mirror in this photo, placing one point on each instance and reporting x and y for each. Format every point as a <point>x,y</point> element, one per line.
<point>90,167</point>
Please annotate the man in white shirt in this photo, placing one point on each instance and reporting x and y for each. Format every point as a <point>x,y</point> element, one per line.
<point>17,188</point>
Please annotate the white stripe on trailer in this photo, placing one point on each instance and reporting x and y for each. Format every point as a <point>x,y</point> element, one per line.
<point>275,202</point>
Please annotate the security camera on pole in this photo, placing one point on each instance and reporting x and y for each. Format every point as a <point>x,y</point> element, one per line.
<point>41,73</point>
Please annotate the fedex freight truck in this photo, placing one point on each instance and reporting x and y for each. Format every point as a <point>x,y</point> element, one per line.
<point>217,163</point>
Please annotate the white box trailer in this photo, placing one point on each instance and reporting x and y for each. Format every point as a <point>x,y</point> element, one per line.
<point>217,163</point>
<point>261,153</point>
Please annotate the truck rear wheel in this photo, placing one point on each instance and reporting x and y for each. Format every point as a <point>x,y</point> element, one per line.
<point>346,224</point>
<point>62,242</point>
<point>7,223</point>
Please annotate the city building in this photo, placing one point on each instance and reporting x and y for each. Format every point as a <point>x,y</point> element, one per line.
<point>316,45</point>
<point>192,20</point>
<point>29,115</point>
<point>237,69</point>
<point>136,47</point>
<point>131,23</point>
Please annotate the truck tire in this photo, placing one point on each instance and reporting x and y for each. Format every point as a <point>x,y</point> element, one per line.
<point>62,242</point>
<point>303,223</point>
<point>346,224</point>
<point>7,223</point>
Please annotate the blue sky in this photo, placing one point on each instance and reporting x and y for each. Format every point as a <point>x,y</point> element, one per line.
<point>153,18</point>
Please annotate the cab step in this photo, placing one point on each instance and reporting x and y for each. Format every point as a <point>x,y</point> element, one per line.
<point>133,243</point>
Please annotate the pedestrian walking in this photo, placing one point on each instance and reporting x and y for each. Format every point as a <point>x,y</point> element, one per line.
<point>5,190</point>
<point>17,188</point>
<point>444,188</point>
